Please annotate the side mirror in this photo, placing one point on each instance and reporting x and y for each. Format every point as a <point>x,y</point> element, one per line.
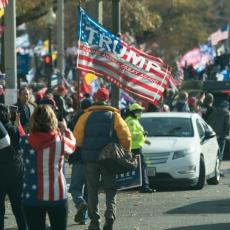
<point>209,134</point>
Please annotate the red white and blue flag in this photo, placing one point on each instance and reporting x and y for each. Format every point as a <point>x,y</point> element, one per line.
<point>106,55</point>
<point>219,35</point>
<point>44,159</point>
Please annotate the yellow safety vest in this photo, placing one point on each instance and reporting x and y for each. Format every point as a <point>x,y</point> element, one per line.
<point>137,132</point>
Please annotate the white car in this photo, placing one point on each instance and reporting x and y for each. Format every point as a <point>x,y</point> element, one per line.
<point>183,150</point>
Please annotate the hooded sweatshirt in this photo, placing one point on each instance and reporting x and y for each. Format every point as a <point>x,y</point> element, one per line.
<point>43,154</point>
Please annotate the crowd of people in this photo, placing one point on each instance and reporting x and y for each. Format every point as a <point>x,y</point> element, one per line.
<point>217,70</point>
<point>35,138</point>
<point>218,116</point>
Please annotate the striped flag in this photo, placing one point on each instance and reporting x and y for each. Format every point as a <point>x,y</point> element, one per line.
<point>106,55</point>
<point>3,3</point>
<point>219,35</point>
<point>44,179</point>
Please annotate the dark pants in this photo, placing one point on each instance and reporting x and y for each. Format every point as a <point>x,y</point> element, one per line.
<point>221,142</point>
<point>36,216</point>
<point>145,179</point>
<point>11,185</point>
<point>93,171</point>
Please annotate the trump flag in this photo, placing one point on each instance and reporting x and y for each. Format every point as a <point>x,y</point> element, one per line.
<point>106,55</point>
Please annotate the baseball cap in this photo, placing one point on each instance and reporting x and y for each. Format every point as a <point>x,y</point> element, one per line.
<point>135,106</point>
<point>102,94</point>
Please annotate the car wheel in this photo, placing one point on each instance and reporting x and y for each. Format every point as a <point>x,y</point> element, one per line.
<point>216,179</point>
<point>201,181</point>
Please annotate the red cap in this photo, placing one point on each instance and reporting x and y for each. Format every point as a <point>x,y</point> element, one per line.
<point>62,89</point>
<point>102,94</point>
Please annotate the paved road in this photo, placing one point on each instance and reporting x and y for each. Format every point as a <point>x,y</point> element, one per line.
<point>207,209</point>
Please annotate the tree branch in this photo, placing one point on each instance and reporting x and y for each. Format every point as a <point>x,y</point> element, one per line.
<point>36,13</point>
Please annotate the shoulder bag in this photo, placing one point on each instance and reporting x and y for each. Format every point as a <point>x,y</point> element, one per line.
<point>114,157</point>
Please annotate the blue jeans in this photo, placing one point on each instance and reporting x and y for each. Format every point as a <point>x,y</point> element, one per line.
<point>221,142</point>
<point>78,188</point>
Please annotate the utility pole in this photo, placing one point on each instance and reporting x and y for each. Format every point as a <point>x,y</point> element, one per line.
<point>2,44</point>
<point>10,53</point>
<point>95,8</point>
<point>60,36</point>
<point>116,20</point>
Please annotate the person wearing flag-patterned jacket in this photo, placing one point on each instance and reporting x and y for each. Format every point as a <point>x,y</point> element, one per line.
<point>92,134</point>
<point>138,140</point>
<point>44,186</point>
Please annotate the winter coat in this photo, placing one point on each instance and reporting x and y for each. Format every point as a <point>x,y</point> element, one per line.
<point>93,127</point>
<point>9,155</point>
<point>220,122</point>
<point>25,114</point>
<point>137,132</point>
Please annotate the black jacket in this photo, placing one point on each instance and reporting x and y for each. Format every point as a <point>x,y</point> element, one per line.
<point>9,155</point>
<point>25,114</point>
<point>220,122</point>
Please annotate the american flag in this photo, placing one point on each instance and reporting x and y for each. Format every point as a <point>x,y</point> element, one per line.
<point>105,54</point>
<point>219,35</point>
<point>192,57</point>
<point>3,3</point>
<point>43,178</point>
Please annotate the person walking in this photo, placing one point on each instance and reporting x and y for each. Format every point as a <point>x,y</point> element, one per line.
<point>220,122</point>
<point>138,140</point>
<point>11,169</point>
<point>44,186</point>
<point>78,188</point>
<point>92,133</point>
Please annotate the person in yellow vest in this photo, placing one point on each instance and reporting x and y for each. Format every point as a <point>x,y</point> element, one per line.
<point>138,140</point>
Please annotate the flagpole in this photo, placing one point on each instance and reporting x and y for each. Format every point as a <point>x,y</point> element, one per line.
<point>228,41</point>
<point>78,53</point>
<point>116,19</point>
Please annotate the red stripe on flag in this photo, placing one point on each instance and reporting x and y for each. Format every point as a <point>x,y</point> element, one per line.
<point>108,57</point>
<point>125,77</point>
<point>120,84</point>
<point>125,87</point>
<point>69,144</point>
<point>40,174</point>
<point>150,57</point>
<point>52,150</point>
<point>60,179</point>
<point>155,76</point>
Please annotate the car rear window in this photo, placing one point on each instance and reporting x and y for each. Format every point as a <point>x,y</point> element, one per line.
<point>168,126</point>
